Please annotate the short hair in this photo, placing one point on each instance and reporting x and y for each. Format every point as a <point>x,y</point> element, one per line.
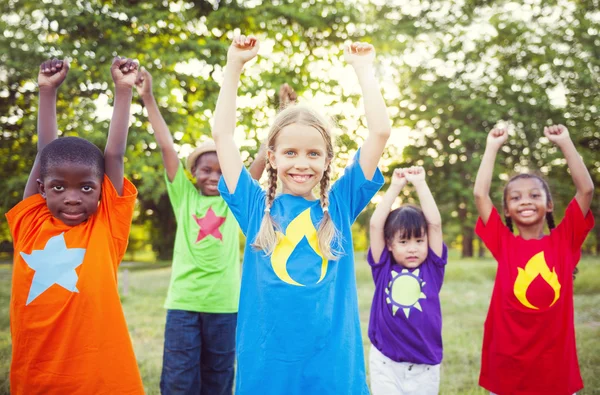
<point>405,221</point>
<point>73,150</point>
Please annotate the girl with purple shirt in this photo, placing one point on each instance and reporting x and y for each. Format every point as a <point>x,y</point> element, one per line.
<point>408,259</point>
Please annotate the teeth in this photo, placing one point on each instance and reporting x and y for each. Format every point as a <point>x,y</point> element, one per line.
<point>300,178</point>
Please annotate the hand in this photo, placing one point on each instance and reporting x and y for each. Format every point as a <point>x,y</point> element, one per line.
<point>124,72</point>
<point>242,49</point>
<point>52,73</point>
<point>359,54</point>
<point>557,134</point>
<point>287,96</point>
<point>414,174</point>
<point>143,83</point>
<point>496,137</point>
<point>398,178</point>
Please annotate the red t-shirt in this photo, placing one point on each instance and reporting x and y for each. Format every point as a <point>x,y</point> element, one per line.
<point>529,334</point>
<point>69,334</point>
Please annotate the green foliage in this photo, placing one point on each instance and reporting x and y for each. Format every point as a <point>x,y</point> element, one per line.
<point>451,70</point>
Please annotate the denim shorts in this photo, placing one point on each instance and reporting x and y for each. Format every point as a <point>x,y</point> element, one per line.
<point>199,353</point>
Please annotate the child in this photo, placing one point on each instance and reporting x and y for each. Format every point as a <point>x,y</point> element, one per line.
<point>529,334</point>
<point>69,334</point>
<point>408,259</point>
<point>202,301</point>
<point>298,330</point>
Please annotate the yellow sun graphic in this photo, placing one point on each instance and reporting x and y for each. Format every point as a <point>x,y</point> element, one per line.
<point>404,291</point>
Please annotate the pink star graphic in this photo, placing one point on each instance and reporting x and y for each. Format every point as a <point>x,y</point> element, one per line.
<point>209,225</point>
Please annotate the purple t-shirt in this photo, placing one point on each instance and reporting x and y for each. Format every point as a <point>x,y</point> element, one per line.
<point>406,318</point>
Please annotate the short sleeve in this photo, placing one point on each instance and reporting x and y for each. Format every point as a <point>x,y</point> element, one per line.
<point>439,260</point>
<point>247,201</point>
<point>179,189</point>
<point>574,227</point>
<point>377,268</point>
<point>117,210</point>
<point>385,256</point>
<point>354,190</point>
<point>493,233</point>
<point>22,217</point>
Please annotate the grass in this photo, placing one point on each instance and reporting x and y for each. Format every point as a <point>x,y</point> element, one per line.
<point>465,299</point>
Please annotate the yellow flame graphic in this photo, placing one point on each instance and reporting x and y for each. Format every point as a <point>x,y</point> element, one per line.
<point>299,228</point>
<point>536,266</point>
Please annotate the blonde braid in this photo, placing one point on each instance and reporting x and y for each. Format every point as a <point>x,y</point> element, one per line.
<point>327,232</point>
<point>266,238</point>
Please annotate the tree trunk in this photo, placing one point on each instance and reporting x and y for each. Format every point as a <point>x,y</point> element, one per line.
<point>481,248</point>
<point>467,233</point>
<point>467,242</point>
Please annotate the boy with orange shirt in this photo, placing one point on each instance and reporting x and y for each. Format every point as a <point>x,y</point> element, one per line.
<point>70,232</point>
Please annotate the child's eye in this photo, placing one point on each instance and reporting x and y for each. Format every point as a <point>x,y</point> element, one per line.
<point>535,195</point>
<point>514,198</point>
<point>58,188</point>
<point>403,242</point>
<point>289,153</point>
<point>420,240</point>
<point>87,188</point>
<point>313,154</point>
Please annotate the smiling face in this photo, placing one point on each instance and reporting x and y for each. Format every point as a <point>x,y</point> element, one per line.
<point>300,156</point>
<point>526,202</point>
<point>207,172</point>
<point>71,191</point>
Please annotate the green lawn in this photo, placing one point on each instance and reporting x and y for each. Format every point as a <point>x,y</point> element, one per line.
<point>465,297</point>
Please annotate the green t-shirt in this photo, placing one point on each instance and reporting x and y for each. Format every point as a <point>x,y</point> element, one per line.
<point>206,259</point>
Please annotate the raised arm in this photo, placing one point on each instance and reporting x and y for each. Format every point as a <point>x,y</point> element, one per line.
<point>52,73</point>
<point>257,167</point>
<point>287,97</point>
<point>124,74</point>
<point>416,176</point>
<point>163,136</point>
<point>559,135</point>
<point>361,57</point>
<point>376,236</point>
<point>242,50</point>
<point>483,182</point>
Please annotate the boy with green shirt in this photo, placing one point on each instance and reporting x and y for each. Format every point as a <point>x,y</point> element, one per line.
<point>202,300</point>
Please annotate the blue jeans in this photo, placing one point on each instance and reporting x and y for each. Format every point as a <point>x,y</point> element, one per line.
<point>199,353</point>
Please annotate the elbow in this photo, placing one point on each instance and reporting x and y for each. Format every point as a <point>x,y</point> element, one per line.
<point>588,191</point>
<point>479,194</point>
<point>384,133</point>
<point>375,226</point>
<point>435,225</point>
<point>114,156</point>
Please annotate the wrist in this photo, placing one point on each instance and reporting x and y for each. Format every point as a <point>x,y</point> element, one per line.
<point>364,70</point>
<point>147,96</point>
<point>563,144</point>
<point>234,66</point>
<point>123,89</point>
<point>492,148</point>
<point>48,89</point>
<point>398,186</point>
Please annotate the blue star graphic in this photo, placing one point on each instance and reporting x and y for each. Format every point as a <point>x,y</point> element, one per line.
<point>55,264</point>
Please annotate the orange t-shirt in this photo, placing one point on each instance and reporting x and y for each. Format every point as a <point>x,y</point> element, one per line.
<point>69,334</point>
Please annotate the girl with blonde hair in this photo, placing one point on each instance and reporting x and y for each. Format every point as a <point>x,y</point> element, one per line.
<point>298,327</point>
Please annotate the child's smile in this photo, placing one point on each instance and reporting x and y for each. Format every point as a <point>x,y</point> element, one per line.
<point>300,157</point>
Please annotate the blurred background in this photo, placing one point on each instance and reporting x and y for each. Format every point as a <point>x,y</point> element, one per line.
<point>449,70</point>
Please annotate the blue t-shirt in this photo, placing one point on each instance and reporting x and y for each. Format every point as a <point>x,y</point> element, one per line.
<point>406,318</point>
<point>298,328</point>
